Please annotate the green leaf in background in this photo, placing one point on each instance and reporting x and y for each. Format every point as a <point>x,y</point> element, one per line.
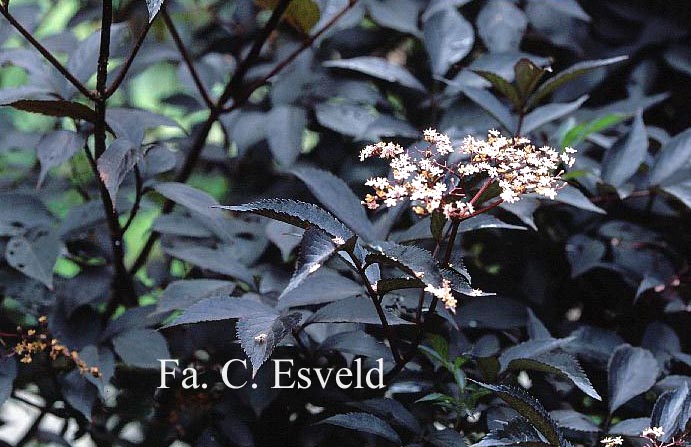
<point>580,132</point>
<point>301,14</point>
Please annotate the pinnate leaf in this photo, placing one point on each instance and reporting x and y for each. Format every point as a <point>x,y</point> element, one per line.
<point>531,349</point>
<point>531,409</point>
<point>501,26</point>
<point>56,148</point>
<point>417,262</point>
<point>315,249</point>
<point>221,308</point>
<point>34,255</point>
<point>550,112</point>
<point>631,371</point>
<point>221,259</point>
<point>559,363</point>
<point>622,160</point>
<point>285,138</point>
<point>115,163</point>
<point>671,411</point>
<point>364,422</point>
<point>571,73</point>
<point>527,76</point>
<point>449,37</point>
<point>338,198</point>
<point>184,293</point>
<point>353,310</point>
<point>259,334</point>
<point>502,86</point>
<point>518,431</point>
<point>141,348</point>
<point>379,68</point>
<point>296,213</point>
<point>672,157</point>
<point>390,409</point>
<point>56,108</point>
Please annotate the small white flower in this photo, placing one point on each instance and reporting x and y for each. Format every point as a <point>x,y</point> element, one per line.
<point>653,432</point>
<point>612,441</point>
<point>390,202</point>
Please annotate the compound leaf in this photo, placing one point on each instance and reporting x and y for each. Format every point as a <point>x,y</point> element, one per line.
<point>338,198</point>
<point>296,213</point>
<point>364,422</point>
<point>559,363</point>
<point>315,249</point>
<point>378,68</point>
<point>631,371</point>
<point>531,409</point>
<point>221,308</point>
<point>259,335</point>
<point>571,73</point>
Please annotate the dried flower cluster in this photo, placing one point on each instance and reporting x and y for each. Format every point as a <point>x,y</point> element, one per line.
<point>33,342</point>
<point>514,164</point>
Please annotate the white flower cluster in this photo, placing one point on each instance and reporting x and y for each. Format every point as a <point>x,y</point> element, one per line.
<point>444,294</point>
<point>517,166</point>
<point>418,180</point>
<point>653,432</point>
